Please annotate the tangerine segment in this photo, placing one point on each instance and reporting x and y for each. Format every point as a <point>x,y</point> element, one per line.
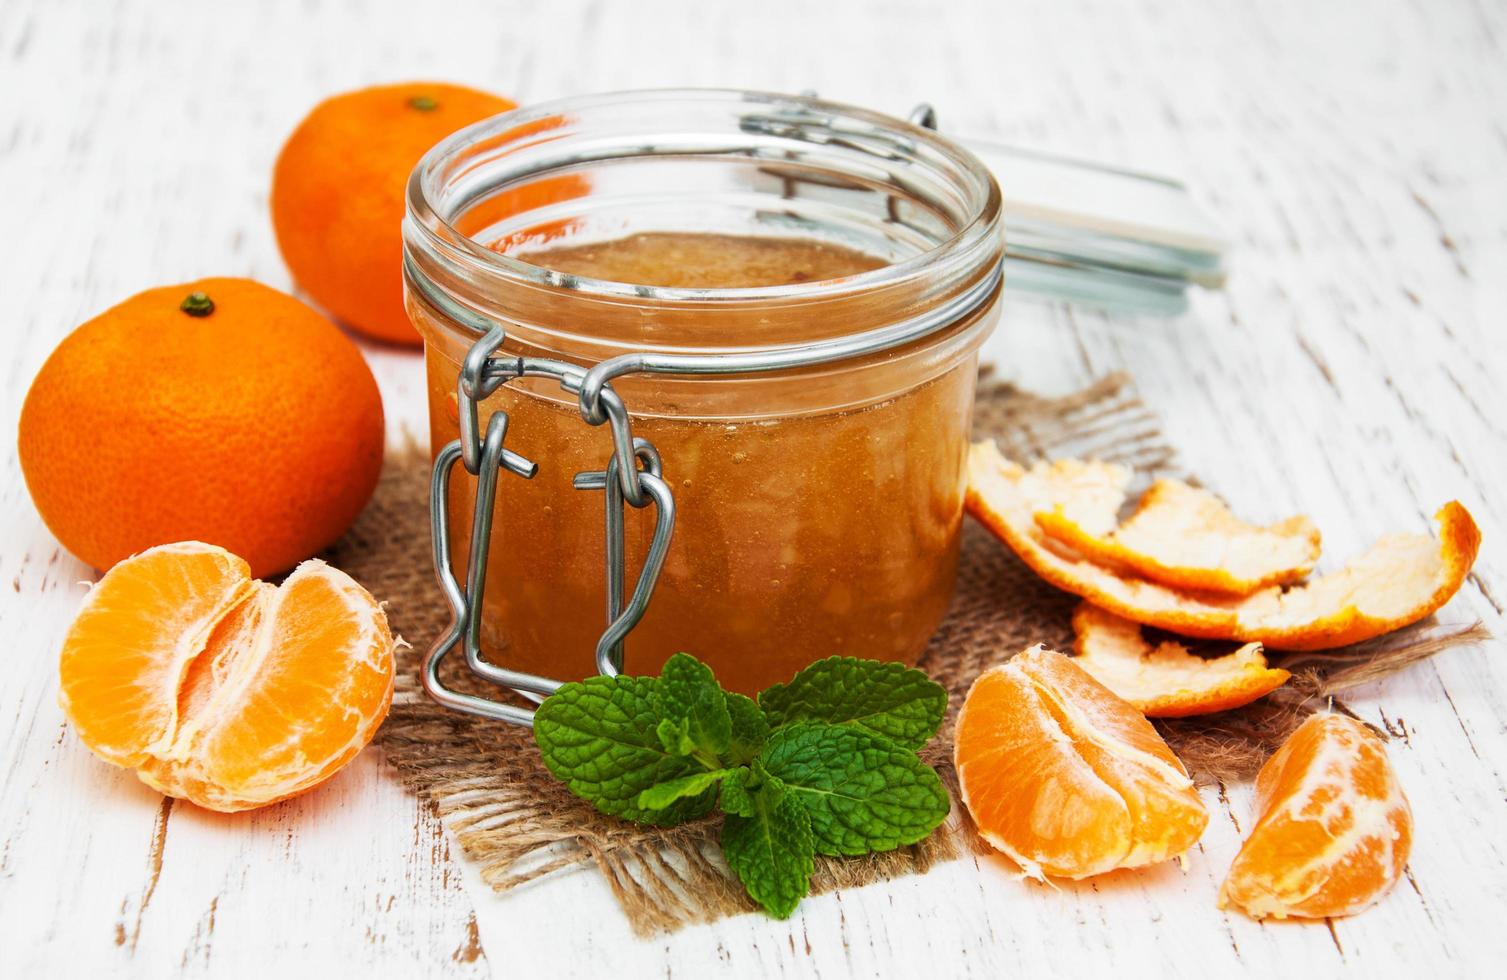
<point>220,689</point>
<point>1066,778</point>
<point>1167,680</point>
<point>135,637</point>
<point>1186,537</point>
<point>1334,828</point>
<point>1400,580</point>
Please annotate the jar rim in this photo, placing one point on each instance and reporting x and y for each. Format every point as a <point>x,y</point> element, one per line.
<point>427,226</point>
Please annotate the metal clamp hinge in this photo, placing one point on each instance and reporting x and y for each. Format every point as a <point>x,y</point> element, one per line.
<point>486,457</point>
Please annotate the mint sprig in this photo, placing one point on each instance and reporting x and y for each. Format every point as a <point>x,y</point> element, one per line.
<point>824,764</point>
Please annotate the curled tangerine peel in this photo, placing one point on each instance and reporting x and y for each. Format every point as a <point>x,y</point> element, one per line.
<point>1333,829</point>
<point>220,689</point>
<point>1167,680</point>
<point>1400,580</point>
<point>1067,779</point>
<point>1185,537</point>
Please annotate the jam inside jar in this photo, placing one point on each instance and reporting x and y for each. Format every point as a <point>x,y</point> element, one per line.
<point>818,506</point>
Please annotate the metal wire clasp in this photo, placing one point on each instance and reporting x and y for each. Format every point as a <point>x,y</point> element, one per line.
<point>624,481</point>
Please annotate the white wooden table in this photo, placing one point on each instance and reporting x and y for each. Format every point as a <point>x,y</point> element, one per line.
<point>1353,370</point>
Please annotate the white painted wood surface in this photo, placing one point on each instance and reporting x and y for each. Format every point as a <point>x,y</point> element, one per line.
<point>1353,370</point>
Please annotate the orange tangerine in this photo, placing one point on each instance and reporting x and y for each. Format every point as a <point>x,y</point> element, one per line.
<point>338,194</point>
<point>1066,778</point>
<point>220,689</point>
<point>219,410</point>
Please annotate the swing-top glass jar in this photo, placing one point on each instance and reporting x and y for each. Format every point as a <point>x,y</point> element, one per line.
<point>817,505</point>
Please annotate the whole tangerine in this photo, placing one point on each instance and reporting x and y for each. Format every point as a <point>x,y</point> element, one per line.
<point>338,194</point>
<point>219,410</point>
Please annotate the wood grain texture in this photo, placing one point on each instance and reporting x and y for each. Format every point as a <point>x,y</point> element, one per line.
<point>1353,370</point>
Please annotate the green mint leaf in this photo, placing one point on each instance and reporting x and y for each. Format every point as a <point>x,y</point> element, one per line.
<point>737,793</point>
<point>741,785</point>
<point>770,850</point>
<point>599,736</point>
<point>889,699</point>
<point>661,795</point>
<point>864,792</point>
<point>750,728</point>
<point>675,736</point>
<point>688,695</point>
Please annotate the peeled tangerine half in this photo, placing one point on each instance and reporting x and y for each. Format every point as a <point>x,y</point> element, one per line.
<point>1333,828</point>
<point>1066,778</point>
<point>1185,537</point>
<point>1167,680</point>
<point>1402,579</point>
<point>220,689</point>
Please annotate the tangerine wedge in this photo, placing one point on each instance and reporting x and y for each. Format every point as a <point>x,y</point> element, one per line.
<point>1400,580</point>
<point>1167,680</point>
<point>220,689</point>
<point>1333,830</point>
<point>1064,777</point>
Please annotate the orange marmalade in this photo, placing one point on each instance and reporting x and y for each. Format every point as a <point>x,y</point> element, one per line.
<point>818,508</point>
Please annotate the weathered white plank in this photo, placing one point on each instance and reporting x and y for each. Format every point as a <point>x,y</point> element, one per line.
<point>1353,370</point>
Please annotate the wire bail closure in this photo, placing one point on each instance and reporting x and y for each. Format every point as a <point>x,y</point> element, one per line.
<point>486,457</point>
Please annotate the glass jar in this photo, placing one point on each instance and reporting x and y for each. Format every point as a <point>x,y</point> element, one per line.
<point>817,505</point>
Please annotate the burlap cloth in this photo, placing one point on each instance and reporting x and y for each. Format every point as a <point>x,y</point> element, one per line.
<point>519,823</point>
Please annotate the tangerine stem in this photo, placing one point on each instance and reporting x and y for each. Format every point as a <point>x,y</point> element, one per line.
<point>197,304</point>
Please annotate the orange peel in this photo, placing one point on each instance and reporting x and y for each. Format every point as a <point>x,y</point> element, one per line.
<point>1400,580</point>
<point>1167,680</point>
<point>1187,538</point>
